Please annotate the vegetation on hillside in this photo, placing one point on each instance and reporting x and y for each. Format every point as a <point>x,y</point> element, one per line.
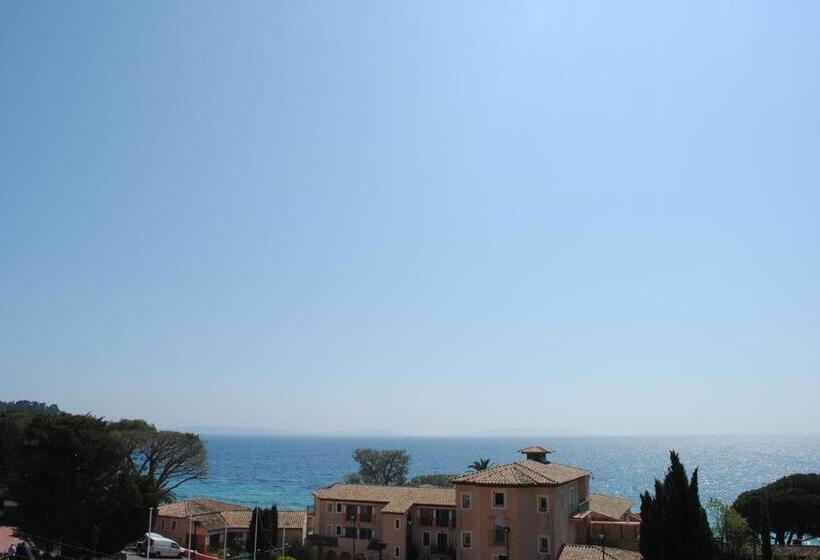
<point>31,407</point>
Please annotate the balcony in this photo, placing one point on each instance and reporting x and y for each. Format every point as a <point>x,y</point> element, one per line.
<point>578,509</point>
<point>442,550</point>
<point>448,522</point>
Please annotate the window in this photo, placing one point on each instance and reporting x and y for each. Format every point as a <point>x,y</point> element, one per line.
<point>425,538</point>
<point>162,524</point>
<point>339,508</point>
<point>442,542</point>
<point>573,497</point>
<point>543,504</point>
<point>366,534</point>
<point>338,530</point>
<point>500,556</point>
<point>500,536</point>
<point>499,500</point>
<point>397,551</point>
<point>350,532</point>
<point>466,539</point>
<point>443,518</point>
<point>466,500</point>
<point>330,507</point>
<point>329,530</point>
<point>398,523</point>
<point>173,525</point>
<point>543,544</point>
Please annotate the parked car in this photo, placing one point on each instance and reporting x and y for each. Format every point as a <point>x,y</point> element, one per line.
<point>160,547</point>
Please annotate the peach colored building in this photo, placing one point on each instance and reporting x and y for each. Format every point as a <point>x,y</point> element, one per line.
<point>531,509</point>
<point>211,521</point>
<point>365,522</point>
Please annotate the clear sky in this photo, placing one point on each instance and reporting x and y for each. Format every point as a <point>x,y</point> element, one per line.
<point>413,217</point>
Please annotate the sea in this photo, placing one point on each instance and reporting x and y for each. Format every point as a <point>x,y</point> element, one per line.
<point>285,470</point>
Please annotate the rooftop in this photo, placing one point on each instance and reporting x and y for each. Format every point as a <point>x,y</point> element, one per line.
<point>398,499</point>
<point>590,552</point>
<point>523,473</point>
<point>535,449</point>
<point>613,507</point>
<point>196,507</point>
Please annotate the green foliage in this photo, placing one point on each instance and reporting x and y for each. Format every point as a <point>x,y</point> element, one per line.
<point>793,506</point>
<point>480,464</point>
<point>765,529</point>
<point>74,484</point>
<point>387,466</point>
<point>30,407</point>
<point>439,480</point>
<point>264,535</point>
<point>171,458</point>
<point>729,526</point>
<point>673,522</point>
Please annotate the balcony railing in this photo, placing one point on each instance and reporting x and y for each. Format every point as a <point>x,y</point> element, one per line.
<point>577,509</point>
<point>446,522</point>
<point>443,550</point>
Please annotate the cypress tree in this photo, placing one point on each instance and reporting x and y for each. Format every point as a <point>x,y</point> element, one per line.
<point>275,527</point>
<point>673,522</point>
<point>765,530</point>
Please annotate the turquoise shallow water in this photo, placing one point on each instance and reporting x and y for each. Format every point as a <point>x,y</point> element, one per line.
<point>285,470</point>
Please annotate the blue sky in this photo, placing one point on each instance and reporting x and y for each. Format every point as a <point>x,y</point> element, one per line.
<point>413,217</point>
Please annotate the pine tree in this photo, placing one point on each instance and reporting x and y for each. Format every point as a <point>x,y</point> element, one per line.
<point>673,522</point>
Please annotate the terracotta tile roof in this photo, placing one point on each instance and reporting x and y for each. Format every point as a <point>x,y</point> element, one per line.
<point>612,507</point>
<point>535,449</point>
<point>199,506</point>
<point>523,473</point>
<point>240,519</point>
<point>590,552</point>
<point>211,522</point>
<point>291,519</point>
<point>398,499</point>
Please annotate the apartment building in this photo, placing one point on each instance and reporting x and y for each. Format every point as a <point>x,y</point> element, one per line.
<point>366,522</point>
<point>531,509</point>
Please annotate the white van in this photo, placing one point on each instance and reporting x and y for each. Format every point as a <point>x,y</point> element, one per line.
<point>161,547</point>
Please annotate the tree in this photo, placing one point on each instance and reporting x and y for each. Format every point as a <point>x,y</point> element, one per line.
<point>440,480</point>
<point>32,407</point>
<point>765,530</point>
<point>673,522</point>
<point>480,464</point>
<point>77,487</point>
<point>388,467</point>
<point>171,458</point>
<point>729,526</point>
<point>793,504</point>
<point>263,536</point>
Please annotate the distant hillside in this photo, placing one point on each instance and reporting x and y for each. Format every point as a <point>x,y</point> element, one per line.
<point>32,407</point>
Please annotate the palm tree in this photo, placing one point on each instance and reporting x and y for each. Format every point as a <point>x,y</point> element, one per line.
<point>480,464</point>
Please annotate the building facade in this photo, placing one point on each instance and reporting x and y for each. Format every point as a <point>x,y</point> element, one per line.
<point>211,522</point>
<point>530,509</point>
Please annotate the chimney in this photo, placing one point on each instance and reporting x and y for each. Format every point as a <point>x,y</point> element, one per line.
<point>536,453</point>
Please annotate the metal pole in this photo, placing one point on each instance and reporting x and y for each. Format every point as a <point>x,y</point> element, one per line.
<point>255,531</point>
<point>225,544</point>
<point>148,536</point>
